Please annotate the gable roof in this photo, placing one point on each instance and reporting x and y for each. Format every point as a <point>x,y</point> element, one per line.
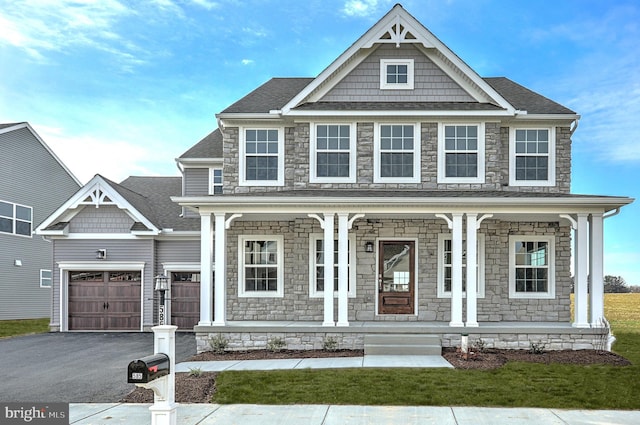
<point>272,95</point>
<point>9,127</point>
<point>147,200</point>
<point>524,99</point>
<point>209,147</point>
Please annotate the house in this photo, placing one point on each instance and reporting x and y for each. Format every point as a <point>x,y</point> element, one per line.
<point>443,199</point>
<point>33,183</point>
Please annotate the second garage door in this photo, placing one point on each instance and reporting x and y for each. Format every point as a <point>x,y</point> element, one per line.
<point>104,300</point>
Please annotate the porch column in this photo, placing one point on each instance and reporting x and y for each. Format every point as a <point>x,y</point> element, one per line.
<point>581,253</point>
<point>456,270</point>
<point>328,269</point>
<point>206,269</point>
<point>220,287</point>
<point>472,273</point>
<point>596,272</point>
<point>343,269</point>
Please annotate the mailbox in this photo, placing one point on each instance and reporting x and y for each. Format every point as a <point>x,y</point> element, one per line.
<point>148,368</point>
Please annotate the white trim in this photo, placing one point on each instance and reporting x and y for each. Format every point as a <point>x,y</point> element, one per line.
<point>167,269</point>
<point>551,155</point>
<point>49,278</point>
<point>313,177</point>
<point>242,181</point>
<point>416,287</point>
<point>442,175</point>
<point>417,139</point>
<point>396,86</point>
<point>313,238</point>
<point>441,293</point>
<point>551,275</point>
<point>279,292</point>
<point>67,267</point>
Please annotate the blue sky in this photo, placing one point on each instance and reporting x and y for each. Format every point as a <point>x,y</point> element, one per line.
<point>124,87</point>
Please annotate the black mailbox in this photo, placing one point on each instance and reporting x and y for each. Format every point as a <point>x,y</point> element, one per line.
<point>147,369</point>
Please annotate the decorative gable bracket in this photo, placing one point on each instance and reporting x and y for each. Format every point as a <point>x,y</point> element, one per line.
<point>398,30</point>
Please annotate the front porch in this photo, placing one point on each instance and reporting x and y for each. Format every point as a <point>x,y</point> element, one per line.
<point>247,335</point>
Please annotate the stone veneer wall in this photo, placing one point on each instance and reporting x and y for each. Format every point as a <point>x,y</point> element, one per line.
<point>297,161</point>
<point>312,340</point>
<point>495,306</point>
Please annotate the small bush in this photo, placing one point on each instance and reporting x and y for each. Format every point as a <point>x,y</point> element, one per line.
<point>536,347</point>
<point>276,344</point>
<point>195,372</point>
<point>330,343</point>
<point>218,344</point>
<point>479,346</point>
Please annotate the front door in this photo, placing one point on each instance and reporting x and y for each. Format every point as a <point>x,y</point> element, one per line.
<point>396,281</point>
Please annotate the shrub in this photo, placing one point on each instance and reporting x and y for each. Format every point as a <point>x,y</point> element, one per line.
<point>276,344</point>
<point>330,343</point>
<point>218,344</point>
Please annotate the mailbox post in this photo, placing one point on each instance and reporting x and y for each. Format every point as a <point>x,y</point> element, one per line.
<point>162,285</point>
<point>157,372</point>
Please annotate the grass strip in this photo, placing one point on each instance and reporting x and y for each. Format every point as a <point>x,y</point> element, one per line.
<point>23,327</point>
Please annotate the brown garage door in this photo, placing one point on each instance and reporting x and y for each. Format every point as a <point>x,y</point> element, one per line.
<point>108,300</point>
<point>185,299</point>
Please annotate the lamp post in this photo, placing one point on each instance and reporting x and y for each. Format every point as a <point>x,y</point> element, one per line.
<point>162,285</point>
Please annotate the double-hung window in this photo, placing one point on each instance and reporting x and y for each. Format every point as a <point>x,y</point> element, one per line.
<point>262,157</point>
<point>445,266</point>
<point>260,261</point>
<point>531,267</point>
<point>396,74</point>
<point>532,159</point>
<point>461,153</point>
<point>316,266</point>
<point>216,181</point>
<point>397,157</point>
<point>333,156</point>
<point>15,219</point>
<point>46,277</point>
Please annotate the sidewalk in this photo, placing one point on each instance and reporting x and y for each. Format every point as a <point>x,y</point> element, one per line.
<point>242,414</point>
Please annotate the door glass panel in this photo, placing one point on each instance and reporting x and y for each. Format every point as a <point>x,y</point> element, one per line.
<point>396,268</point>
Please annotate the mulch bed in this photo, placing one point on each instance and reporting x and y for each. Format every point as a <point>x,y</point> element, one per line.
<point>201,388</point>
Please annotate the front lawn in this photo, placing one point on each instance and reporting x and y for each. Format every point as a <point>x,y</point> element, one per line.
<point>23,327</point>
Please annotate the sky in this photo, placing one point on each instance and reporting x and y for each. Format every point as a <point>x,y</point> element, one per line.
<point>123,87</point>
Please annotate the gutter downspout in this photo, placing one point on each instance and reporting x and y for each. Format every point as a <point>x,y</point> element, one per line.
<point>575,127</point>
<point>616,212</point>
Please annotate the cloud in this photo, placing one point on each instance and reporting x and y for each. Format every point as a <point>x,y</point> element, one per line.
<point>248,61</point>
<point>360,7</point>
<point>209,5</point>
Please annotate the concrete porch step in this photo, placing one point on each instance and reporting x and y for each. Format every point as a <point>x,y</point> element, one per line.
<point>402,345</point>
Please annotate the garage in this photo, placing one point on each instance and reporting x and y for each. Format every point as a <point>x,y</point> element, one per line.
<point>104,300</point>
<point>185,299</point>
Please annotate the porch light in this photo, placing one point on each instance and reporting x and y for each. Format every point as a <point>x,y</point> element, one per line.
<point>368,246</point>
<point>101,254</point>
<point>162,285</point>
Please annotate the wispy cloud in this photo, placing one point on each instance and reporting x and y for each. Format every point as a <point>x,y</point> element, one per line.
<point>248,61</point>
<point>360,7</point>
<point>209,5</point>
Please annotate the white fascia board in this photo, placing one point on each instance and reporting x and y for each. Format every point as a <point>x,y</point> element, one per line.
<point>398,113</point>
<point>223,117</point>
<point>199,162</point>
<point>183,235</point>
<point>547,117</point>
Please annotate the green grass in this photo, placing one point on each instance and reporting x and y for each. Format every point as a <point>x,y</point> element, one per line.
<point>23,327</point>
<point>513,385</point>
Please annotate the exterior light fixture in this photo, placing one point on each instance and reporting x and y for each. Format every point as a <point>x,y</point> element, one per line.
<point>162,285</point>
<point>101,254</point>
<point>368,246</point>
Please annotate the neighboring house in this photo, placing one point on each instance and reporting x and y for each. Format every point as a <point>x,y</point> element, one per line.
<point>33,183</point>
<point>442,197</point>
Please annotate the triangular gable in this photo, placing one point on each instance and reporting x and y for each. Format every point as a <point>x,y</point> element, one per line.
<point>13,127</point>
<point>98,192</point>
<point>398,27</point>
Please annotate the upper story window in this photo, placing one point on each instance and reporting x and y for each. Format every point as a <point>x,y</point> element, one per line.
<point>262,157</point>
<point>215,181</point>
<point>46,277</point>
<point>333,153</point>
<point>531,267</point>
<point>396,74</point>
<point>461,153</point>
<point>397,153</point>
<point>532,157</point>
<point>16,219</point>
<point>445,266</point>
<point>260,266</point>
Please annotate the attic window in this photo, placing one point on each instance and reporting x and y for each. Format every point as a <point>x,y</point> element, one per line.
<point>396,74</point>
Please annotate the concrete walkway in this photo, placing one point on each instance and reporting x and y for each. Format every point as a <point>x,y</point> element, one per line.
<point>243,414</point>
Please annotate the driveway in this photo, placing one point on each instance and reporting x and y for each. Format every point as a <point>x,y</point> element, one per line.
<point>75,367</point>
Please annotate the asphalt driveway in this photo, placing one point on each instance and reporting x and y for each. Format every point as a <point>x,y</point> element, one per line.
<point>75,367</point>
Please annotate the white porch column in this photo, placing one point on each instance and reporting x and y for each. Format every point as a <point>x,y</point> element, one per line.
<point>581,253</point>
<point>220,287</point>
<point>596,272</point>
<point>206,268</point>
<point>472,272</point>
<point>328,269</point>
<point>343,269</point>
<point>456,270</point>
